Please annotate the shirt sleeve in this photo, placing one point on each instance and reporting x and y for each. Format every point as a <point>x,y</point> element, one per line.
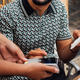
<point>64,32</point>
<point>6,23</point>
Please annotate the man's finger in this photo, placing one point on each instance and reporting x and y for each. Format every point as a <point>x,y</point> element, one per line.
<point>37,53</point>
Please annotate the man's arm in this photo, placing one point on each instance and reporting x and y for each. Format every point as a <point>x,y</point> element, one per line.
<point>63,47</point>
<point>64,51</point>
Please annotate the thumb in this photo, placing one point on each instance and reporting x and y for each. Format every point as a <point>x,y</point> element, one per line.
<point>52,69</point>
<point>21,55</point>
<point>76,34</point>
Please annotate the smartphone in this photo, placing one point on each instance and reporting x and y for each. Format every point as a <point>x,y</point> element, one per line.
<point>47,61</point>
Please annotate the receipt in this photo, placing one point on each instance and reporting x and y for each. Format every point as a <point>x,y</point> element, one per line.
<point>75,43</point>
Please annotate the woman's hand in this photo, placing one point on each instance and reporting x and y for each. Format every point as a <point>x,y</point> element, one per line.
<point>10,52</point>
<point>37,71</point>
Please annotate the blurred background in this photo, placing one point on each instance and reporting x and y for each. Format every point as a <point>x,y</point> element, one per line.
<point>74,15</point>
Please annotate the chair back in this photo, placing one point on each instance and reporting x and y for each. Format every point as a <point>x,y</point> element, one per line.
<point>4,2</point>
<point>1,6</point>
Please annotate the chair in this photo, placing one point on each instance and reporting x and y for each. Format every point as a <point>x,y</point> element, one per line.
<point>73,66</point>
<point>4,3</point>
<point>1,6</point>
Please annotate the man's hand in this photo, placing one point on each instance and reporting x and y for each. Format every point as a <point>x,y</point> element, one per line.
<point>37,53</point>
<point>10,51</point>
<point>76,34</point>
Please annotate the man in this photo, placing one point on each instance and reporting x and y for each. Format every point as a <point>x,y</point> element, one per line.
<point>33,24</point>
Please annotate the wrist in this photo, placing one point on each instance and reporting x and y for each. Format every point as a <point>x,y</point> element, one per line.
<point>20,70</point>
<point>74,50</point>
<point>23,70</point>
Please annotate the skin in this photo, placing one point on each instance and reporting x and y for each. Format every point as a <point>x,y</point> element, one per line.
<point>64,47</point>
<point>12,56</point>
<point>11,52</point>
<point>29,70</point>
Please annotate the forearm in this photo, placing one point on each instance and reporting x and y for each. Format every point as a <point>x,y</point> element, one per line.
<point>9,68</point>
<point>67,54</point>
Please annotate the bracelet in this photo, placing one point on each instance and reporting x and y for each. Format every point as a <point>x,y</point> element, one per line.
<point>71,49</point>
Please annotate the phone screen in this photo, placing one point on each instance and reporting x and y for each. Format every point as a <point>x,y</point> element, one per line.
<point>48,60</point>
<point>43,60</point>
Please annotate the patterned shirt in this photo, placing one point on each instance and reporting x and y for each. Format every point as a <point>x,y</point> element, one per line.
<point>23,25</point>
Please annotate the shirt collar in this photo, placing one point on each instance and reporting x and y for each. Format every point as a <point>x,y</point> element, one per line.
<point>28,10</point>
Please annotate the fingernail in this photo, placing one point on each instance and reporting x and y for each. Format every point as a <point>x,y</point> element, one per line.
<point>45,54</point>
<point>56,70</point>
<point>25,59</point>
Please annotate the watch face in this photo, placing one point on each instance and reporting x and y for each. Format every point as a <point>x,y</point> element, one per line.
<point>41,2</point>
